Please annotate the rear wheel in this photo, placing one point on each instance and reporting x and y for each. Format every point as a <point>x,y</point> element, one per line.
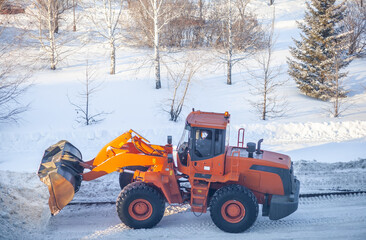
<point>140,205</point>
<point>233,208</point>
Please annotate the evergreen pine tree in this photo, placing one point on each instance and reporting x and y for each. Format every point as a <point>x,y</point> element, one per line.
<point>321,40</point>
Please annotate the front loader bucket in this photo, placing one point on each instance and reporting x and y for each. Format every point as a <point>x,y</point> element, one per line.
<point>60,170</point>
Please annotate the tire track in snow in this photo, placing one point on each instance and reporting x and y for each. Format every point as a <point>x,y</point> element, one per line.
<point>310,196</point>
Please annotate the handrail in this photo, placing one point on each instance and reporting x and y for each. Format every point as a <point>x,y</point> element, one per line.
<point>242,137</point>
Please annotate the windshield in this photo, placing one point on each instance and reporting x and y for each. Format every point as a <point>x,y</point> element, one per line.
<point>185,137</point>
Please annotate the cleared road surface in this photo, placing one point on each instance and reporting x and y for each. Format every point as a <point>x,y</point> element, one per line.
<point>331,217</point>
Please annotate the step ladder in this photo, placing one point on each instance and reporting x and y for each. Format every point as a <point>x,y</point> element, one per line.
<point>199,193</point>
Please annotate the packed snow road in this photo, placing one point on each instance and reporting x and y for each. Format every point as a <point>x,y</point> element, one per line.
<point>332,217</point>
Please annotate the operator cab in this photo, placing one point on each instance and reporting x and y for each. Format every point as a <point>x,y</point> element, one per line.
<point>203,137</point>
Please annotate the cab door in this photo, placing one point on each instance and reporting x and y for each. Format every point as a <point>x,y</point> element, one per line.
<point>207,152</point>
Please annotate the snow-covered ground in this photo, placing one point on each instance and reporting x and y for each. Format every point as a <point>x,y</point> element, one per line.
<point>329,154</point>
<point>25,213</point>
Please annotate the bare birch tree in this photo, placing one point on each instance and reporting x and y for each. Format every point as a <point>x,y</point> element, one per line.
<point>83,107</point>
<point>2,3</point>
<point>46,14</point>
<point>229,42</point>
<point>12,86</point>
<point>266,83</point>
<point>14,80</point>
<point>181,79</point>
<point>338,101</point>
<point>58,7</point>
<point>108,27</point>
<point>241,34</point>
<point>355,23</point>
<point>160,12</point>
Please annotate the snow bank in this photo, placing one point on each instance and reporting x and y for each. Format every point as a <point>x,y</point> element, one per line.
<point>305,167</point>
<point>327,177</point>
<point>24,210</point>
<point>334,141</point>
<point>307,132</point>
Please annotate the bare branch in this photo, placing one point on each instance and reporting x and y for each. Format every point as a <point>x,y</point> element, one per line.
<point>181,79</point>
<point>83,109</point>
<point>110,27</point>
<point>266,85</point>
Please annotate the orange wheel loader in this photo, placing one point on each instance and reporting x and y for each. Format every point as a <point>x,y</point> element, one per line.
<point>229,180</point>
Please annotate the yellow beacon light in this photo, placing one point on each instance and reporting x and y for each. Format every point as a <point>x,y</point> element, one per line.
<point>226,114</point>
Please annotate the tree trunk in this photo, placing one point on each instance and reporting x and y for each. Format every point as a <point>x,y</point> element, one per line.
<point>229,68</point>
<point>74,18</point>
<point>113,57</point>
<point>87,95</point>
<point>200,6</point>
<point>230,45</point>
<point>264,112</point>
<point>56,16</point>
<point>336,104</point>
<point>51,33</point>
<point>156,47</point>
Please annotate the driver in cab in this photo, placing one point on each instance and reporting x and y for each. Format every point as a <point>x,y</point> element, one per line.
<point>203,143</point>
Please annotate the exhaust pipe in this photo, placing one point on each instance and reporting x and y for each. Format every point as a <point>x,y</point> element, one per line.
<point>259,151</point>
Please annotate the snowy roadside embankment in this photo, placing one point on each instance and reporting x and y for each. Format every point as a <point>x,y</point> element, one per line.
<point>335,141</point>
<point>329,177</point>
<point>23,205</point>
<point>307,132</point>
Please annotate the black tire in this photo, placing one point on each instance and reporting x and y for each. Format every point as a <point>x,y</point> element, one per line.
<point>125,178</point>
<point>238,198</point>
<point>137,194</point>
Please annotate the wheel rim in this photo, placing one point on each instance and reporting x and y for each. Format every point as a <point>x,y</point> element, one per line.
<point>233,211</point>
<point>140,209</point>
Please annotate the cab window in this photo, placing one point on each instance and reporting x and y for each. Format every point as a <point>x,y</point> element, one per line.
<point>203,143</point>
<point>219,142</point>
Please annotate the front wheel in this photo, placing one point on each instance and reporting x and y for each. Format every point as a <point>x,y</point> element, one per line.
<point>233,208</point>
<point>140,205</point>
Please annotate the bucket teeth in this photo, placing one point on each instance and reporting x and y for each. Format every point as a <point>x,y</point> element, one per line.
<point>60,171</point>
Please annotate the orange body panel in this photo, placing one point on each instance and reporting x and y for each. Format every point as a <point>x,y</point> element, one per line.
<point>165,180</point>
<point>208,119</point>
<point>122,160</point>
<point>213,166</point>
<point>231,167</point>
<point>116,143</point>
<point>120,153</point>
<point>258,181</point>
